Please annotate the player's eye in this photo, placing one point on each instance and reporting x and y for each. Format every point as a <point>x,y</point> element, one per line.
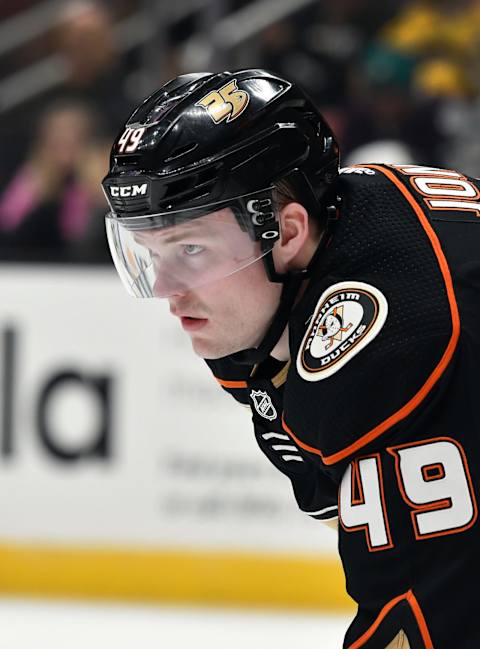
<point>192,249</point>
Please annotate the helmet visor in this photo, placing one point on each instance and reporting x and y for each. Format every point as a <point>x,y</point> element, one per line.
<point>170,253</point>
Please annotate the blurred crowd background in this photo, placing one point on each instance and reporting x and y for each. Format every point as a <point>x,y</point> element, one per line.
<point>398,80</point>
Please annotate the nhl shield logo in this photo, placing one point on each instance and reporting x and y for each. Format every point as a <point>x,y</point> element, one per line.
<point>263,404</point>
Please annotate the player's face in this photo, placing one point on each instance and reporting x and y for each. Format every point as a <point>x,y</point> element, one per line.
<point>230,314</point>
<point>213,276</point>
<point>212,273</point>
<point>174,260</point>
<point>229,311</point>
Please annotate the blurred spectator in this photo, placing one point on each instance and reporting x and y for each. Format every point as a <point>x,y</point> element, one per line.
<point>427,27</point>
<point>84,38</point>
<point>443,38</point>
<point>318,45</point>
<point>443,78</point>
<point>382,71</point>
<point>47,205</point>
<point>382,106</point>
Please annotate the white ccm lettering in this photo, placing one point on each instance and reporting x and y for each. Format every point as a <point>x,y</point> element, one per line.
<point>129,191</point>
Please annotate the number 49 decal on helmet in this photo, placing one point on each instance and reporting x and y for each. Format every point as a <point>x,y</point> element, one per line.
<point>130,139</point>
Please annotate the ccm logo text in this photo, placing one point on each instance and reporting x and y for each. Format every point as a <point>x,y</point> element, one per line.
<point>129,190</point>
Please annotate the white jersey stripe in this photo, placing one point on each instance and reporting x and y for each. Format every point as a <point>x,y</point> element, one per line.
<point>275,435</point>
<point>284,447</point>
<point>321,511</point>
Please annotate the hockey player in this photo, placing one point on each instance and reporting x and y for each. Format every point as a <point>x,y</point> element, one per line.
<point>343,308</point>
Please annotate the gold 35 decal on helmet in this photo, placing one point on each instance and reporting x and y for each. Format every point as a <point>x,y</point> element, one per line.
<point>348,316</point>
<point>227,103</point>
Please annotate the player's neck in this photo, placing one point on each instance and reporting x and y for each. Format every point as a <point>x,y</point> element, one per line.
<point>281,351</point>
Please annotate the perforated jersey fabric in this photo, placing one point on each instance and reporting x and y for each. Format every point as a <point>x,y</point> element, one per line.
<point>380,241</point>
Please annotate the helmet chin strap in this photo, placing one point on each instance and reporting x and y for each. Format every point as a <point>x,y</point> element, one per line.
<point>292,281</point>
<point>255,355</point>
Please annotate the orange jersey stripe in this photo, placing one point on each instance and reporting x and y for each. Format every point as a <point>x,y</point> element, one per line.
<point>300,443</point>
<point>417,399</point>
<point>417,611</point>
<point>382,615</point>
<point>422,625</point>
<point>231,384</point>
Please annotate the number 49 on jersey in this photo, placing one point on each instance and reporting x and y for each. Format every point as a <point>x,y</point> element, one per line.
<point>434,480</point>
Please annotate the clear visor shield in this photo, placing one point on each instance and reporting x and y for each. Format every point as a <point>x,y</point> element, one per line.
<point>163,255</point>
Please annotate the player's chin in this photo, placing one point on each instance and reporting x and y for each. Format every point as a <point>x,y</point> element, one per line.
<point>208,352</point>
<point>212,349</point>
<point>204,348</point>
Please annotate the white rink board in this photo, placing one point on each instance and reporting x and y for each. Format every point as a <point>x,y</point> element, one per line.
<point>182,468</point>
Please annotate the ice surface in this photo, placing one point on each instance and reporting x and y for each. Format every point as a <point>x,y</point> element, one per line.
<point>39,624</point>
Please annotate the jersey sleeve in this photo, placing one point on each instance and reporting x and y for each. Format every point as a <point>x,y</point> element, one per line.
<point>231,380</point>
<point>381,332</point>
<point>315,492</point>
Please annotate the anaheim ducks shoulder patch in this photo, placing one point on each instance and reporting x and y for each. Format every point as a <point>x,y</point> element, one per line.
<point>347,317</point>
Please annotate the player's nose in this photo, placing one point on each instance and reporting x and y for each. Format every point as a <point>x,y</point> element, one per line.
<point>168,286</point>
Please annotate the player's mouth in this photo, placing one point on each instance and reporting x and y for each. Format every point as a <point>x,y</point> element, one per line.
<point>192,324</point>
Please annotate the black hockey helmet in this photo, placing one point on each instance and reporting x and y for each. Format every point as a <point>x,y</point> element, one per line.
<point>204,141</point>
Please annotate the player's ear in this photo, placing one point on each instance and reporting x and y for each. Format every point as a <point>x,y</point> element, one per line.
<point>291,251</point>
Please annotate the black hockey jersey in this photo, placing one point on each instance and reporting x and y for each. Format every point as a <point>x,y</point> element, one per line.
<point>375,417</point>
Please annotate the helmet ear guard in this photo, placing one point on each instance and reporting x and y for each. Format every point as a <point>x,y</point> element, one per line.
<point>266,227</point>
